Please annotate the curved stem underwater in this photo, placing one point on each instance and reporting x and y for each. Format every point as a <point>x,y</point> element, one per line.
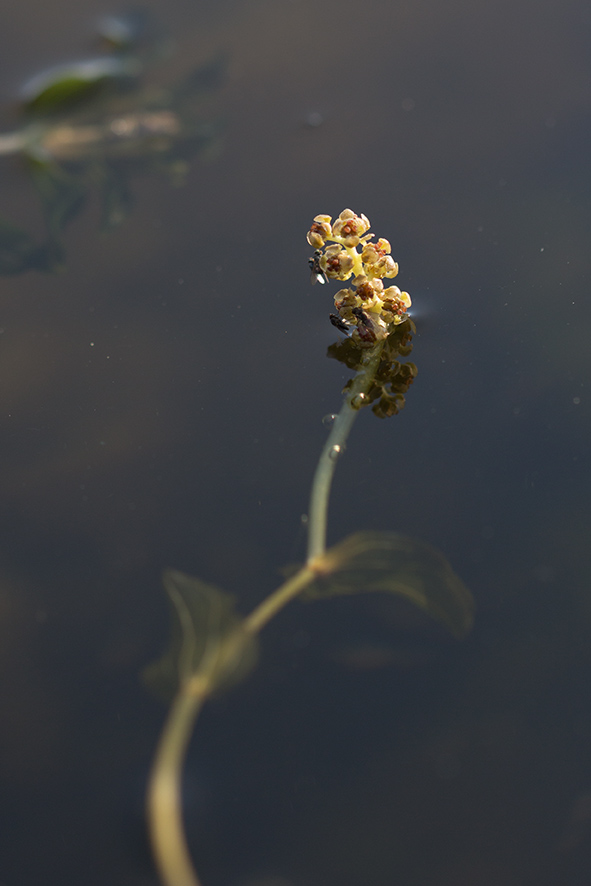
<point>164,791</point>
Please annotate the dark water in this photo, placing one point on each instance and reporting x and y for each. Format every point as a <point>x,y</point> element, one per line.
<point>161,405</point>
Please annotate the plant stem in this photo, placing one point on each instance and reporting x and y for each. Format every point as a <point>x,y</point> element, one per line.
<point>333,449</point>
<point>320,493</point>
<point>164,790</point>
<point>272,604</point>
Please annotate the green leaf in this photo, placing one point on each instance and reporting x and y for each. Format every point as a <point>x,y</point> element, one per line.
<point>395,564</point>
<point>63,84</point>
<point>207,639</point>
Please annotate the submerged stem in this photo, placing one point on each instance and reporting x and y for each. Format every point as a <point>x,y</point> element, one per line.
<point>272,604</point>
<point>333,448</point>
<point>164,791</point>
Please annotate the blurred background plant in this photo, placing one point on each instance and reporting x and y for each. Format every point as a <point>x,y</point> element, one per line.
<point>90,124</point>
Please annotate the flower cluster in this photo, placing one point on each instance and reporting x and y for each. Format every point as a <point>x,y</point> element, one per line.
<point>368,311</point>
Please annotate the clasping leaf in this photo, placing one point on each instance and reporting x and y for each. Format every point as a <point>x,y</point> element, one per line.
<point>395,564</point>
<point>208,644</point>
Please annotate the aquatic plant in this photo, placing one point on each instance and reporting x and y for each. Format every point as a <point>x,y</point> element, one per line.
<point>89,125</point>
<point>212,646</point>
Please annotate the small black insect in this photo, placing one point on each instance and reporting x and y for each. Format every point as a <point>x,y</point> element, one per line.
<point>340,324</point>
<point>317,275</point>
<point>362,317</point>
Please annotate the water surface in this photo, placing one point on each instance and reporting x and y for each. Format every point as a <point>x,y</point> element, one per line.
<point>161,403</point>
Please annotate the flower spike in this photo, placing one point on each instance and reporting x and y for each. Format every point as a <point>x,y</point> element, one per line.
<point>367,312</point>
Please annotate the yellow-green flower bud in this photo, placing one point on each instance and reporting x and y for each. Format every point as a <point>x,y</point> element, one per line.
<point>386,266</point>
<point>396,304</point>
<point>368,310</point>
<point>320,231</point>
<point>377,258</point>
<point>368,288</point>
<point>336,262</point>
<point>349,228</point>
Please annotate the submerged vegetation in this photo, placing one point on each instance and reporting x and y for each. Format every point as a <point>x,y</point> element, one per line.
<point>90,125</point>
<point>212,646</point>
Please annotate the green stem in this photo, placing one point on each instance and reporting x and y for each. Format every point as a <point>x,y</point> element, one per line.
<point>164,790</point>
<point>318,514</point>
<point>333,449</point>
<point>272,604</point>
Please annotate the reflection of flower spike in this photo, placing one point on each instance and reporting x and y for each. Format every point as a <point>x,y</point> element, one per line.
<point>367,312</point>
<point>391,379</point>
